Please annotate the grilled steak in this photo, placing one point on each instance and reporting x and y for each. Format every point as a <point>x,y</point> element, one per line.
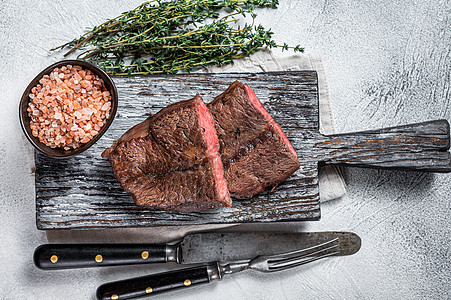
<point>254,150</point>
<point>171,160</point>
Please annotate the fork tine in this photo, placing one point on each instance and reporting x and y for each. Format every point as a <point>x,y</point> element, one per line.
<point>303,252</point>
<point>303,256</point>
<point>299,262</point>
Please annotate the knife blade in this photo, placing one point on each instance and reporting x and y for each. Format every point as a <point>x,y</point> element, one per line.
<point>235,246</point>
<point>194,248</point>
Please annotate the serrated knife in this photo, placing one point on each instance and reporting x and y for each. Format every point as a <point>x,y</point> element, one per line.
<point>194,248</point>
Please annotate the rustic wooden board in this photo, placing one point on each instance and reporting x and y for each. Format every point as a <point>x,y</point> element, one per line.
<point>81,192</point>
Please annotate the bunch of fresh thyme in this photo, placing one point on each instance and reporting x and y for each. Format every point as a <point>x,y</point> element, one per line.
<point>167,36</point>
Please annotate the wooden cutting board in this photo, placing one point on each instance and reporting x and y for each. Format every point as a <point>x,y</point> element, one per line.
<point>81,192</point>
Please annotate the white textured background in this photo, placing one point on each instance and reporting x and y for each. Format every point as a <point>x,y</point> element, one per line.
<point>387,63</point>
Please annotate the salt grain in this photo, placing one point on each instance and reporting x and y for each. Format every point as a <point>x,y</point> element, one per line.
<point>78,114</point>
<point>106,106</point>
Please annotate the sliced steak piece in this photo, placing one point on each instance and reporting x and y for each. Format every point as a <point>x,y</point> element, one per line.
<point>254,150</point>
<point>171,160</point>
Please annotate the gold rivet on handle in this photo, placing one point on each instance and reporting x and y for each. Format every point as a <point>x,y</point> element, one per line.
<point>114,297</point>
<point>54,259</point>
<point>187,282</point>
<point>149,290</point>
<point>99,258</point>
<point>145,255</point>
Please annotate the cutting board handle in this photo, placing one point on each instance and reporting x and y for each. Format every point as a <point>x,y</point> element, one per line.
<point>421,146</point>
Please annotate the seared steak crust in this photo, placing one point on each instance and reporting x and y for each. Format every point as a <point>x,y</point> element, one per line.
<point>171,160</point>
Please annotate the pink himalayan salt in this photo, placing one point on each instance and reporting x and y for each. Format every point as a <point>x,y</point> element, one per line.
<point>67,96</point>
<point>106,106</point>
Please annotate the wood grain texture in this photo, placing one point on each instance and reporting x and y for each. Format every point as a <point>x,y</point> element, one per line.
<point>81,192</point>
<point>421,146</point>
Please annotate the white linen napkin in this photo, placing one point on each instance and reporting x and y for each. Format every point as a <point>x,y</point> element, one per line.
<point>331,183</point>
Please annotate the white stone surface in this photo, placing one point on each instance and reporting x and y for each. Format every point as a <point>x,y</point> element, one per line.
<point>387,63</point>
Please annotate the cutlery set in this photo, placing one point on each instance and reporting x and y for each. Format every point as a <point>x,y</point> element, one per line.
<point>221,253</point>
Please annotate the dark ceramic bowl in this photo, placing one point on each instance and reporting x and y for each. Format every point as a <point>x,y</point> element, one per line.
<point>25,119</point>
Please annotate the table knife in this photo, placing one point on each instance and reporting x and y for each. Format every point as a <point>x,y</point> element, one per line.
<point>194,248</point>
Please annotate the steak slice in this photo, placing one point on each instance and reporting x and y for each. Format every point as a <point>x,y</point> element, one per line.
<point>255,151</point>
<point>171,160</point>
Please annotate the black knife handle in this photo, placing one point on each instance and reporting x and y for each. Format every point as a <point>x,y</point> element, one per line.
<point>153,284</point>
<point>68,256</point>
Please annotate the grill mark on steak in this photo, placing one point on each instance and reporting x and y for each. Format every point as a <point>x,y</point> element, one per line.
<point>251,145</point>
<point>171,160</point>
<point>261,155</point>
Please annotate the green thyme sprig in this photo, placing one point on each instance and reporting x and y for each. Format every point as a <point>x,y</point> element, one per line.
<point>167,36</point>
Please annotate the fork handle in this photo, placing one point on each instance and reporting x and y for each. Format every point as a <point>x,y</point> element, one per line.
<point>157,283</point>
